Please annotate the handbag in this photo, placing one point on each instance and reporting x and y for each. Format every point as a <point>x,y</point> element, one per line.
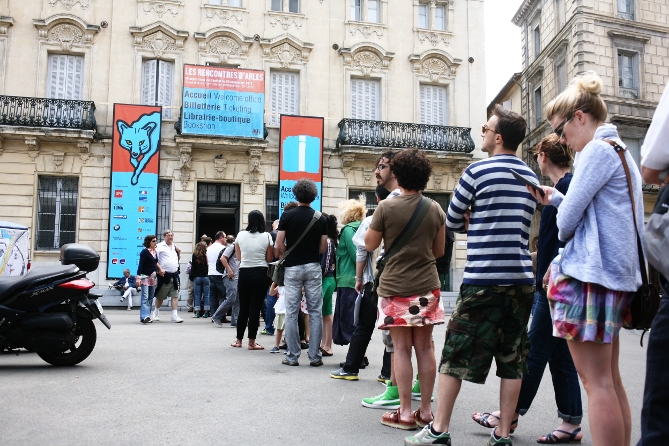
<point>646,301</point>
<point>276,270</point>
<point>656,235</point>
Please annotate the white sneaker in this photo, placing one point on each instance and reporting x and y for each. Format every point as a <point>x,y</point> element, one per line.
<point>177,319</point>
<point>129,308</point>
<point>155,316</point>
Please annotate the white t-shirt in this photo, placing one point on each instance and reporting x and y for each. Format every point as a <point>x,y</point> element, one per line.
<point>167,257</point>
<point>253,246</point>
<point>655,150</point>
<point>212,256</point>
<point>280,305</point>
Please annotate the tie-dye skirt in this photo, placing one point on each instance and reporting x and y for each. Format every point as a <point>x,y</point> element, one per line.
<point>586,311</point>
<point>412,311</point>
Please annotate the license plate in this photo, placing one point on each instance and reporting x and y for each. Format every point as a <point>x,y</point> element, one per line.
<point>97,304</point>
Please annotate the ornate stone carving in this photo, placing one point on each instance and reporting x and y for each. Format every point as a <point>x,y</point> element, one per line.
<point>219,167</point>
<point>161,8</point>
<point>285,54</point>
<point>347,162</point>
<point>434,38</point>
<point>58,158</point>
<point>436,68</point>
<point>438,177</point>
<point>66,35</point>
<point>33,147</point>
<point>367,176</point>
<point>366,30</point>
<point>184,164</point>
<point>84,150</point>
<point>70,3</point>
<point>286,21</point>
<point>367,61</point>
<point>159,42</point>
<point>224,47</point>
<point>223,14</point>
<point>254,169</point>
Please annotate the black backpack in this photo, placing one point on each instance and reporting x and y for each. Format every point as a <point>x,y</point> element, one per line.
<point>219,265</point>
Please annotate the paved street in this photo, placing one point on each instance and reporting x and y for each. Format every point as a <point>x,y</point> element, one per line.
<point>168,383</point>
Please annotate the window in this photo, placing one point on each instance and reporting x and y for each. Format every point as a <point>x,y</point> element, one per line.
<point>423,16</point>
<point>508,105</point>
<point>365,99</point>
<point>277,5</point>
<point>235,3</point>
<point>561,76</point>
<point>164,207</point>
<point>56,211</point>
<point>215,2</point>
<point>440,18</point>
<point>65,78</point>
<point>628,75</point>
<point>370,198</point>
<point>366,11</point>
<point>158,84</point>
<point>356,10</point>
<point>634,147</point>
<point>626,9</point>
<point>538,108</point>
<point>433,105</point>
<point>283,5</point>
<point>442,199</point>
<point>284,95</point>
<point>373,11</point>
<point>271,204</point>
<point>536,36</point>
<point>560,13</point>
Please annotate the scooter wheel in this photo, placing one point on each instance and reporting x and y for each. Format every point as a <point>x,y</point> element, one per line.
<point>87,337</point>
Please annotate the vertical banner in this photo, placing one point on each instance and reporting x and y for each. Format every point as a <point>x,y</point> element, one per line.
<point>300,156</point>
<point>133,202</point>
<point>223,102</point>
<point>13,249</point>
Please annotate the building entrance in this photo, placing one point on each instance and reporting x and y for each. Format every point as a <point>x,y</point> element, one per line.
<point>217,209</point>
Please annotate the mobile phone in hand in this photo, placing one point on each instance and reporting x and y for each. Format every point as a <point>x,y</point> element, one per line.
<point>527,182</point>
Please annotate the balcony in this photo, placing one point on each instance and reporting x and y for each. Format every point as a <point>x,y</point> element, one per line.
<point>43,112</point>
<point>358,132</point>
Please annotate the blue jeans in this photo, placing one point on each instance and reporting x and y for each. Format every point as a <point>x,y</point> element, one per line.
<point>309,276</point>
<point>546,349</point>
<point>146,301</point>
<point>270,301</point>
<point>201,290</point>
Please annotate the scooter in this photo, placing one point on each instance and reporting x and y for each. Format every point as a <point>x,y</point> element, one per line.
<point>50,310</point>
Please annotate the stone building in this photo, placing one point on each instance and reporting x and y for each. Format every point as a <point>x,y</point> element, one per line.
<point>381,76</point>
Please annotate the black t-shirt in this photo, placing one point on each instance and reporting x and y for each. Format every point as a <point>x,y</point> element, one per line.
<point>549,244</point>
<point>294,222</point>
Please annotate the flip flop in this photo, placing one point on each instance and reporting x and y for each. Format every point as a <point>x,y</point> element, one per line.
<point>392,419</point>
<point>483,420</point>
<point>236,345</point>
<point>552,439</point>
<point>325,352</point>
<point>256,347</point>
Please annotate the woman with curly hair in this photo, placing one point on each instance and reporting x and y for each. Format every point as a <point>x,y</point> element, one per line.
<point>409,297</point>
<point>329,283</point>
<point>351,214</point>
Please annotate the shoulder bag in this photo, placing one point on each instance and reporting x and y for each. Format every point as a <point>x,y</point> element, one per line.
<point>646,301</point>
<point>276,270</point>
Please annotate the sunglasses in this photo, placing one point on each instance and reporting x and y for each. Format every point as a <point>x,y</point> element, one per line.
<point>485,128</point>
<point>559,130</point>
<point>535,156</point>
<point>154,241</point>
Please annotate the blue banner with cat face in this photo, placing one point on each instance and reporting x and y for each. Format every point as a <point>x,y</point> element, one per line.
<point>133,201</point>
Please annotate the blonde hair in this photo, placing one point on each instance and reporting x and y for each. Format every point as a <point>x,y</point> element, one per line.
<point>352,210</point>
<point>582,93</point>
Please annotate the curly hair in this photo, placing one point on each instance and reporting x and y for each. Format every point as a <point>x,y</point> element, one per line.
<point>352,210</point>
<point>305,190</point>
<point>412,169</point>
<point>200,253</point>
<point>558,153</point>
<point>147,240</point>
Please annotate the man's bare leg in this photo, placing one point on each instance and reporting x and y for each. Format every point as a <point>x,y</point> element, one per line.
<point>449,387</point>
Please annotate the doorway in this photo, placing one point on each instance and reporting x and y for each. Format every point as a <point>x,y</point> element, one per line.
<point>217,209</point>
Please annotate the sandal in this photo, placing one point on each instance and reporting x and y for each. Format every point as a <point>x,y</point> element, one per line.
<point>256,347</point>
<point>483,420</point>
<point>419,420</point>
<point>325,352</point>
<point>392,419</point>
<point>552,439</point>
<point>236,344</point>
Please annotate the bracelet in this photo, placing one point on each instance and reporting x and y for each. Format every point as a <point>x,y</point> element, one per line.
<point>358,278</point>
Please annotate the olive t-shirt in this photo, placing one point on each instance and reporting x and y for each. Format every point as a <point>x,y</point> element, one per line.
<point>413,270</point>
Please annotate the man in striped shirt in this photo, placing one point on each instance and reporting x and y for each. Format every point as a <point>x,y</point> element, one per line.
<point>491,314</point>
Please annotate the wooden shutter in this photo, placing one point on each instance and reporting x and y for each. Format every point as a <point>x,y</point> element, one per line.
<point>165,87</point>
<point>365,99</point>
<point>149,70</point>
<point>433,105</point>
<point>65,77</point>
<point>284,95</point>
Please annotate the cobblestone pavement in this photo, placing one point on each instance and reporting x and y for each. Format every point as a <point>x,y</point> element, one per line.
<point>167,383</point>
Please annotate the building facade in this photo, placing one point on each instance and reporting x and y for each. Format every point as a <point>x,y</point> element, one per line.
<point>382,75</point>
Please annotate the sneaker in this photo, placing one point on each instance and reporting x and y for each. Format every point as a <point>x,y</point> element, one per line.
<point>390,399</point>
<point>427,437</point>
<point>146,320</point>
<point>129,308</point>
<point>177,319</point>
<point>267,333</point>
<point>219,324</point>
<point>206,314</point>
<point>190,309</point>
<point>316,363</point>
<point>494,440</point>
<point>341,374</point>
<point>415,391</point>
<point>195,314</point>
<point>283,346</point>
<point>291,363</point>
<point>156,316</point>
<point>275,350</point>
<point>122,299</point>
<point>382,379</point>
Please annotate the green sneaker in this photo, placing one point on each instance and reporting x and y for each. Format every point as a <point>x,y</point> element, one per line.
<point>390,399</point>
<point>498,441</point>
<point>415,391</point>
<point>427,437</point>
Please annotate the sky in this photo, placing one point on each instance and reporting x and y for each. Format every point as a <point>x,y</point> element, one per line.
<point>503,52</point>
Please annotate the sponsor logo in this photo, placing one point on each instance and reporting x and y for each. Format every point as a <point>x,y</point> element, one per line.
<point>122,217</point>
<point>140,238</point>
<point>117,227</point>
<point>114,261</point>
<point>118,207</point>
<point>143,192</point>
<point>118,194</point>
<point>139,229</point>
<point>140,209</point>
<point>122,261</point>
<point>119,239</point>
<point>145,220</point>
<point>115,253</point>
<point>143,198</point>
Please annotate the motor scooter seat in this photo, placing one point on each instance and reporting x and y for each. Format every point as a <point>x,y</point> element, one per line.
<point>11,285</point>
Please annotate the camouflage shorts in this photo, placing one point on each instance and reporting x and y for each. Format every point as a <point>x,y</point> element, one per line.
<point>488,321</point>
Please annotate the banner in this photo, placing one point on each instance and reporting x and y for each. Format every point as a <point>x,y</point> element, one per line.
<point>223,102</point>
<point>133,201</point>
<point>14,245</point>
<point>300,156</point>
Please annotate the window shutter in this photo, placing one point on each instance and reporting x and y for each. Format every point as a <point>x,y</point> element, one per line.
<point>165,86</point>
<point>284,95</point>
<point>75,75</point>
<point>433,105</point>
<point>365,99</point>
<point>149,82</point>
<point>65,78</point>
<point>56,80</point>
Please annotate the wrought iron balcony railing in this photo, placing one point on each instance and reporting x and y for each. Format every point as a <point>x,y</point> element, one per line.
<point>358,132</point>
<point>43,112</point>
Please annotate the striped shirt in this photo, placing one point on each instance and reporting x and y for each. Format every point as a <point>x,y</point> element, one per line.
<point>499,224</point>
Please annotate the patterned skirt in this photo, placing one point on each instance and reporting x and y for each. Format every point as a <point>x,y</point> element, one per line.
<point>586,311</point>
<point>412,311</point>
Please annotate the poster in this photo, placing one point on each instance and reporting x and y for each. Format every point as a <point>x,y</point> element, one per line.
<point>133,202</point>
<point>14,244</point>
<point>223,102</point>
<point>300,156</point>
